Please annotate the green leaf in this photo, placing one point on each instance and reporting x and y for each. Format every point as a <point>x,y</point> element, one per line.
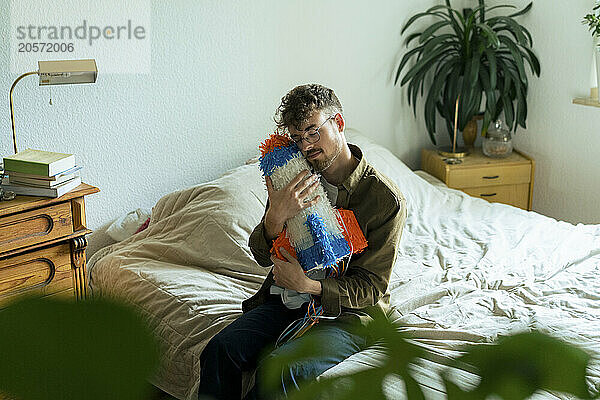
<point>468,92</point>
<point>475,103</point>
<point>522,108</point>
<point>519,39</point>
<point>490,35</point>
<point>446,41</point>
<point>411,37</point>
<point>405,59</point>
<point>437,86</point>
<point>499,108</point>
<point>413,390</point>
<point>452,16</point>
<point>516,57</point>
<point>474,69</point>
<point>521,364</point>
<point>490,98</point>
<point>366,384</point>
<point>534,63</point>
<point>521,33</point>
<point>515,91</point>
<point>466,108</point>
<point>523,11</point>
<point>413,89</point>
<point>425,63</point>
<point>505,101</point>
<point>63,349</point>
<point>487,119</point>
<point>509,112</point>
<point>309,346</point>
<point>427,33</point>
<point>459,17</point>
<point>450,107</point>
<point>507,79</point>
<point>511,66</point>
<point>488,9</point>
<point>429,13</point>
<point>517,30</point>
<point>491,59</point>
<point>453,392</point>
<point>470,18</point>
<point>451,94</point>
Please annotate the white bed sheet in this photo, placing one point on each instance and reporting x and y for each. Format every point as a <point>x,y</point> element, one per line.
<point>467,272</point>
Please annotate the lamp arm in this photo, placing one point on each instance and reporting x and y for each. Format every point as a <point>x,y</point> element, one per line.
<point>12,113</point>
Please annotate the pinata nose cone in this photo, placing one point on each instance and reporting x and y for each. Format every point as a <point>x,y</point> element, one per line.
<point>276,151</point>
<point>273,142</point>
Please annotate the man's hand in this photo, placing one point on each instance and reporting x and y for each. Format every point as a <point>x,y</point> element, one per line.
<point>289,201</point>
<point>290,275</point>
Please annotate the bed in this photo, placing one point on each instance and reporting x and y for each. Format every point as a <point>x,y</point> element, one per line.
<point>467,272</point>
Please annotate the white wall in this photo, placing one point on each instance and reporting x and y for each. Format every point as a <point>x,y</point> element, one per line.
<point>560,136</point>
<point>564,138</point>
<point>219,69</point>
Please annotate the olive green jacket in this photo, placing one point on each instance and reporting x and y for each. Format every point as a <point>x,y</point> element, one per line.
<point>380,209</point>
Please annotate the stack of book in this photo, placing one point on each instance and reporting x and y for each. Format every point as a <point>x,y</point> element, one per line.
<point>40,173</point>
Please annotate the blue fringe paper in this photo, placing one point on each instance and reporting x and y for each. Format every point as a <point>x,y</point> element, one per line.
<point>327,248</point>
<point>277,158</point>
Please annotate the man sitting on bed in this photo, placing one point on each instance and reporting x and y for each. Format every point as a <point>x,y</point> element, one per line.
<point>312,115</point>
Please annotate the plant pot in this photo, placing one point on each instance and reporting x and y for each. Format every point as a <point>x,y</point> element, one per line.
<point>469,134</point>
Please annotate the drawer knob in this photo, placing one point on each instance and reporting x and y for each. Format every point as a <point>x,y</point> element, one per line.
<point>487,194</point>
<point>491,177</point>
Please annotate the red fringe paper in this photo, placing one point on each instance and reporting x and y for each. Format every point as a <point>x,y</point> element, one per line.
<point>352,231</point>
<point>274,141</point>
<point>282,241</point>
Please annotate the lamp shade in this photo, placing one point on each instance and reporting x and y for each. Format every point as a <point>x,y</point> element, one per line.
<point>65,72</point>
<point>59,72</point>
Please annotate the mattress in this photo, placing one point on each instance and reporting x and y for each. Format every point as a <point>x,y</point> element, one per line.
<point>467,272</point>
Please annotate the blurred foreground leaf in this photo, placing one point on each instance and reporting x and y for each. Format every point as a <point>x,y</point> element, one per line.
<point>521,364</point>
<point>366,384</point>
<point>62,349</point>
<point>513,368</point>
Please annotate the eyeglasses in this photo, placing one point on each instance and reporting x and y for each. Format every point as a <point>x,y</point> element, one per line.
<point>312,136</point>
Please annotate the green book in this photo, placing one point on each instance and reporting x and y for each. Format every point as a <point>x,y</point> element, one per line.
<point>39,162</point>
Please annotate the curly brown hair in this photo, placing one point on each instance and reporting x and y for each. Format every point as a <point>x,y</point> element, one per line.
<point>301,102</point>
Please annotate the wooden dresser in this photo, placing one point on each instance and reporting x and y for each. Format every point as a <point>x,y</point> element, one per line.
<point>42,245</point>
<point>503,180</point>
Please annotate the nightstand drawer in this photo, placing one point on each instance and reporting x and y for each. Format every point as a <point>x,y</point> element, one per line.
<point>488,176</point>
<point>514,195</point>
<point>42,272</point>
<point>31,227</point>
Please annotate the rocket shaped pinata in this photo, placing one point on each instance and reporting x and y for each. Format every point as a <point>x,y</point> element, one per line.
<point>318,236</point>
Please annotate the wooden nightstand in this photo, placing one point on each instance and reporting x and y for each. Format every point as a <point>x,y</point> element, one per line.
<point>502,180</point>
<point>42,245</point>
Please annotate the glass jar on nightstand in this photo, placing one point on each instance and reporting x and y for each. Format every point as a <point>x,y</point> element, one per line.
<point>497,142</point>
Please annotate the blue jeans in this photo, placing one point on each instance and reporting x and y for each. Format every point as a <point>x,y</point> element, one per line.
<point>240,347</point>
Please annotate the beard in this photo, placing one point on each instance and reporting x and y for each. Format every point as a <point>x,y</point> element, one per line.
<point>322,165</point>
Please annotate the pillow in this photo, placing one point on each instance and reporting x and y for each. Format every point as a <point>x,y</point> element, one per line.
<point>380,157</point>
<point>204,226</point>
<point>430,179</point>
<point>128,224</point>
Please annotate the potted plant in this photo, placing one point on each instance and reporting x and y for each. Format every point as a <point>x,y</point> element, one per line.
<point>470,55</point>
<point>592,20</point>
